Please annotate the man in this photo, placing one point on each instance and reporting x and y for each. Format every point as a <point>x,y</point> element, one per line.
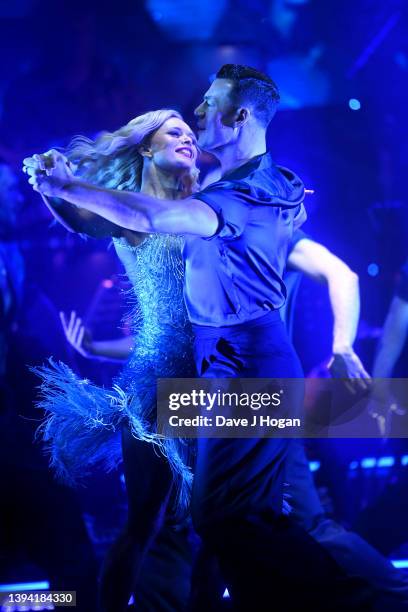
<point>237,235</point>
<point>352,553</point>
<point>382,405</point>
<point>395,329</point>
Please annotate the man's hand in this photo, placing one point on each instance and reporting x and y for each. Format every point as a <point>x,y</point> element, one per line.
<point>347,365</point>
<point>382,406</point>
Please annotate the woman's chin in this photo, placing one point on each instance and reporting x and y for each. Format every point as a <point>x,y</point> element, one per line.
<point>184,164</point>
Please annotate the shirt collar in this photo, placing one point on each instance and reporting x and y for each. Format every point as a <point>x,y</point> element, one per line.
<point>259,162</point>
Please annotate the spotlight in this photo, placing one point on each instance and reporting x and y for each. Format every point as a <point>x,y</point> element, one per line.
<point>314,466</point>
<point>368,463</point>
<point>25,586</point>
<point>400,563</point>
<point>385,462</point>
<point>354,104</point>
<point>373,269</point>
<point>187,19</point>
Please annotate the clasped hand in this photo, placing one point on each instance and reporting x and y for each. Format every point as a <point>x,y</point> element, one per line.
<point>49,172</point>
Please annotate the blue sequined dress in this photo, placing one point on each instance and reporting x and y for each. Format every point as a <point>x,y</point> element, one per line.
<point>82,419</point>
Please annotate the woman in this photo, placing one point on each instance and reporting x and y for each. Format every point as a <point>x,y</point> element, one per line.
<point>156,154</point>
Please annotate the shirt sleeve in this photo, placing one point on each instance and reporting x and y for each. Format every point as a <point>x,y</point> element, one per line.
<point>402,284</point>
<point>230,202</point>
<point>298,235</point>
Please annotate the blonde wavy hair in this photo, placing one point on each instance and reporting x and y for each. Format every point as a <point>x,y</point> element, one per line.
<point>113,159</point>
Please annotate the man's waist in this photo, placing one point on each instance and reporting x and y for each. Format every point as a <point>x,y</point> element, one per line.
<point>261,320</point>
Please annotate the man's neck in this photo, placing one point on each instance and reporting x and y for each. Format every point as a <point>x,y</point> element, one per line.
<point>236,154</point>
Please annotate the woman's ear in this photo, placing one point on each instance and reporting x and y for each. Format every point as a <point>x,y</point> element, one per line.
<point>145,151</point>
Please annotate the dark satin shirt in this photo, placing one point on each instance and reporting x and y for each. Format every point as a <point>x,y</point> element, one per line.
<point>236,275</point>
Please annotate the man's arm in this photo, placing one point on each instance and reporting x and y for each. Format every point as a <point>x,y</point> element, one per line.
<point>393,338</point>
<point>135,211</point>
<point>319,263</point>
<point>383,405</point>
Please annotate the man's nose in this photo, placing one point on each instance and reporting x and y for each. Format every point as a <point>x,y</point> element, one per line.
<point>199,111</point>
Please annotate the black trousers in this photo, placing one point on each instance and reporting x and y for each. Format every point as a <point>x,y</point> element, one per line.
<point>267,561</point>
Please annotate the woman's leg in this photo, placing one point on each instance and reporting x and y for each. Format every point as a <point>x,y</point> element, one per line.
<point>148,483</point>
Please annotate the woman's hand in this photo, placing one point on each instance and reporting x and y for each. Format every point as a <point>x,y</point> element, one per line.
<point>48,172</point>
<point>77,334</point>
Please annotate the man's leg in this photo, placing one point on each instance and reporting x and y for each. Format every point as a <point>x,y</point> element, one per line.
<point>165,579</point>
<point>238,494</point>
<point>353,554</point>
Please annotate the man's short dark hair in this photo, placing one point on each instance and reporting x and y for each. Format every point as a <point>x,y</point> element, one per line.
<point>254,87</point>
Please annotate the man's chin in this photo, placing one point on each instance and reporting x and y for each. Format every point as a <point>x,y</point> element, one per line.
<point>208,144</point>
<point>202,140</point>
<point>205,142</point>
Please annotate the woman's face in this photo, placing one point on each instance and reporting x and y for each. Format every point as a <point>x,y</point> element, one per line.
<point>173,146</point>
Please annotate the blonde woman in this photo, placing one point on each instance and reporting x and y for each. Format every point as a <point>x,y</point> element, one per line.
<point>155,154</point>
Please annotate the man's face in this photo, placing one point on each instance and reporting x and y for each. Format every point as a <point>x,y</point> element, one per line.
<point>215,116</point>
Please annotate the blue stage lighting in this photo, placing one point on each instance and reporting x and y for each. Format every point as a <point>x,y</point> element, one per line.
<point>373,269</point>
<point>24,586</point>
<point>226,594</point>
<point>368,462</point>
<point>187,19</point>
<point>400,563</point>
<point>314,466</point>
<point>385,462</point>
<point>354,104</point>
<point>404,460</point>
<point>353,465</point>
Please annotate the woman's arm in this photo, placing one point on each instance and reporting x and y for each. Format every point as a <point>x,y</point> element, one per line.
<point>74,219</point>
<point>79,220</point>
<point>113,350</point>
<point>80,339</point>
